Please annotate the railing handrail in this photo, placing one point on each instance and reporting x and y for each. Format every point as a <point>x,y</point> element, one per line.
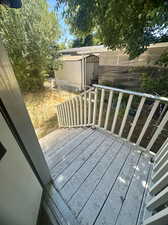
<point>155,97</point>
<point>77,112</point>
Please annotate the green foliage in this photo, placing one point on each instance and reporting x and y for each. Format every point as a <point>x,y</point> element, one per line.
<point>30,35</point>
<point>163,60</point>
<point>155,80</point>
<point>129,24</point>
<point>88,40</point>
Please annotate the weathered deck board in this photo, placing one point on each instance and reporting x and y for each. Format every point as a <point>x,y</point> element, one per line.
<point>100,178</point>
<point>76,181</point>
<point>57,139</point>
<point>98,197</point>
<point>131,207</point>
<point>68,173</point>
<point>73,154</point>
<point>82,196</point>
<point>118,192</point>
<point>64,151</point>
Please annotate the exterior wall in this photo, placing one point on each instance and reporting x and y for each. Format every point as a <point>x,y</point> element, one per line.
<point>20,190</point>
<point>12,99</point>
<point>69,75</point>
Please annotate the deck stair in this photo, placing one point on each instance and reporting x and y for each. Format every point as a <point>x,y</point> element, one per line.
<point>102,159</point>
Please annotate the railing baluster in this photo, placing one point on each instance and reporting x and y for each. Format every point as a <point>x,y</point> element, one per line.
<point>136,117</point>
<point>81,110</point>
<point>155,105</point>
<point>125,115</point>
<point>157,132</point>
<point>116,112</point>
<point>63,109</point>
<point>89,108</point>
<point>65,115</point>
<point>85,108</point>
<point>69,115</point>
<point>74,111</point>
<point>108,109</point>
<point>71,112</point>
<point>58,115</point>
<point>101,107</point>
<point>95,106</point>
<point>161,151</point>
<point>61,116</point>
<point>77,111</point>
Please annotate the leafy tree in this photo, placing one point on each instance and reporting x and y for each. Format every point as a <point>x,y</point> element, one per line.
<point>129,24</point>
<point>88,40</point>
<point>155,81</point>
<point>30,35</point>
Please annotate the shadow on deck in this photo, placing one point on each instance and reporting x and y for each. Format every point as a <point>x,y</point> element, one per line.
<point>97,178</point>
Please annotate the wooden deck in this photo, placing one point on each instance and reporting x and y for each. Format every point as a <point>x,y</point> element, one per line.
<point>101,179</point>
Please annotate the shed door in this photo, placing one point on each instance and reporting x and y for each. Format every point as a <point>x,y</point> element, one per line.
<point>20,191</point>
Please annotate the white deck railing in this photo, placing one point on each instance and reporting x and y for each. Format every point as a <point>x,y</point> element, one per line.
<point>136,117</point>
<point>110,108</point>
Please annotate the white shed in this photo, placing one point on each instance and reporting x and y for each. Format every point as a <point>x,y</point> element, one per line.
<point>77,72</point>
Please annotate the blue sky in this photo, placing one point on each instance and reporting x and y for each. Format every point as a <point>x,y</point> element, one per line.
<point>66,35</point>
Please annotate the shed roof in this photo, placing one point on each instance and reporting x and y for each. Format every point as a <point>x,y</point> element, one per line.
<point>85,50</point>
<point>102,48</point>
<point>74,57</point>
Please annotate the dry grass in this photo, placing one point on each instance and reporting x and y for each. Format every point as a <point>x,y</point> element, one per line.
<point>41,108</point>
